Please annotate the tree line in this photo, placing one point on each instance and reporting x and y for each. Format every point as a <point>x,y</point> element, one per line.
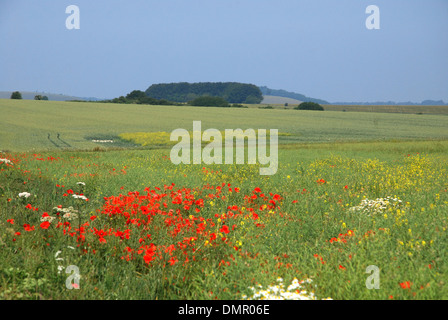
<point>140,97</point>
<point>232,92</point>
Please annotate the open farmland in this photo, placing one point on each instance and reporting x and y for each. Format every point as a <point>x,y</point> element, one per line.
<point>353,189</point>
<point>25,125</point>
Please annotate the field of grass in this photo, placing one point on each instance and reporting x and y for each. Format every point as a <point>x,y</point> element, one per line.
<point>136,226</point>
<point>25,125</point>
<point>403,109</point>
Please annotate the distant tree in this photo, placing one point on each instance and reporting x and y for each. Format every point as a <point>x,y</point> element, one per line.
<point>208,101</point>
<point>136,94</point>
<point>16,95</point>
<point>120,99</point>
<point>309,106</point>
<point>44,98</point>
<point>286,104</point>
<point>38,97</point>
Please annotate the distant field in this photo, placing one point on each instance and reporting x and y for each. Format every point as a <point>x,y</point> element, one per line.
<point>279,100</point>
<point>408,109</point>
<point>25,124</point>
<point>390,109</point>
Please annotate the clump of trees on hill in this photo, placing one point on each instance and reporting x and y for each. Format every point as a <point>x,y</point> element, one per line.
<point>139,97</point>
<point>40,97</point>
<point>309,106</point>
<point>16,95</point>
<point>232,92</point>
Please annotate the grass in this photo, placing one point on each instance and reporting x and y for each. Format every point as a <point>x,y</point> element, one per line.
<point>216,231</point>
<point>25,125</point>
<point>402,109</point>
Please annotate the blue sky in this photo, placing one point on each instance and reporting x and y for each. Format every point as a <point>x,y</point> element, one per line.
<point>320,48</point>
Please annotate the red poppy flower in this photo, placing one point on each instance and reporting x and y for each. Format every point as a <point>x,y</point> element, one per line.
<point>172,261</point>
<point>27,227</point>
<point>45,225</point>
<point>406,285</point>
<point>225,229</point>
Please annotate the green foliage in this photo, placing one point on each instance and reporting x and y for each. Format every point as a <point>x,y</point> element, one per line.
<point>136,94</point>
<point>319,185</point>
<point>139,97</point>
<point>16,95</point>
<point>40,97</point>
<point>233,92</point>
<point>309,106</point>
<point>208,101</point>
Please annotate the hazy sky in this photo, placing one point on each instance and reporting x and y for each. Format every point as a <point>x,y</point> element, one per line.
<point>320,48</point>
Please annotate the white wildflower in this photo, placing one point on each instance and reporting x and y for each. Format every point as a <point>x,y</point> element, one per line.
<point>24,195</point>
<point>60,268</point>
<point>7,161</point>
<point>47,218</point>
<point>376,206</point>
<point>76,196</point>
<point>295,291</point>
<point>70,216</point>
<point>68,213</point>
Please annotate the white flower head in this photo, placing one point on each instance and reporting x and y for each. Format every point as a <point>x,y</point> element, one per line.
<point>24,194</point>
<point>76,196</point>
<point>277,292</point>
<point>7,161</point>
<point>60,268</point>
<point>47,218</point>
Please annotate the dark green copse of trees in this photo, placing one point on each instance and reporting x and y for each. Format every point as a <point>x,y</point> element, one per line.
<point>309,106</point>
<point>16,95</point>
<point>208,101</point>
<point>136,94</point>
<point>139,97</point>
<point>232,92</point>
<point>40,97</point>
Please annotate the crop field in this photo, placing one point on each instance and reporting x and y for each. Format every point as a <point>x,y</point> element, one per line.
<point>90,187</point>
<point>34,125</point>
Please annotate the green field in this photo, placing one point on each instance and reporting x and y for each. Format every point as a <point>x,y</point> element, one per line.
<point>353,189</point>
<point>25,125</point>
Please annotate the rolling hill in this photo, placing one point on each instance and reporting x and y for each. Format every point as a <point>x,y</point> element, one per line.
<point>279,100</point>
